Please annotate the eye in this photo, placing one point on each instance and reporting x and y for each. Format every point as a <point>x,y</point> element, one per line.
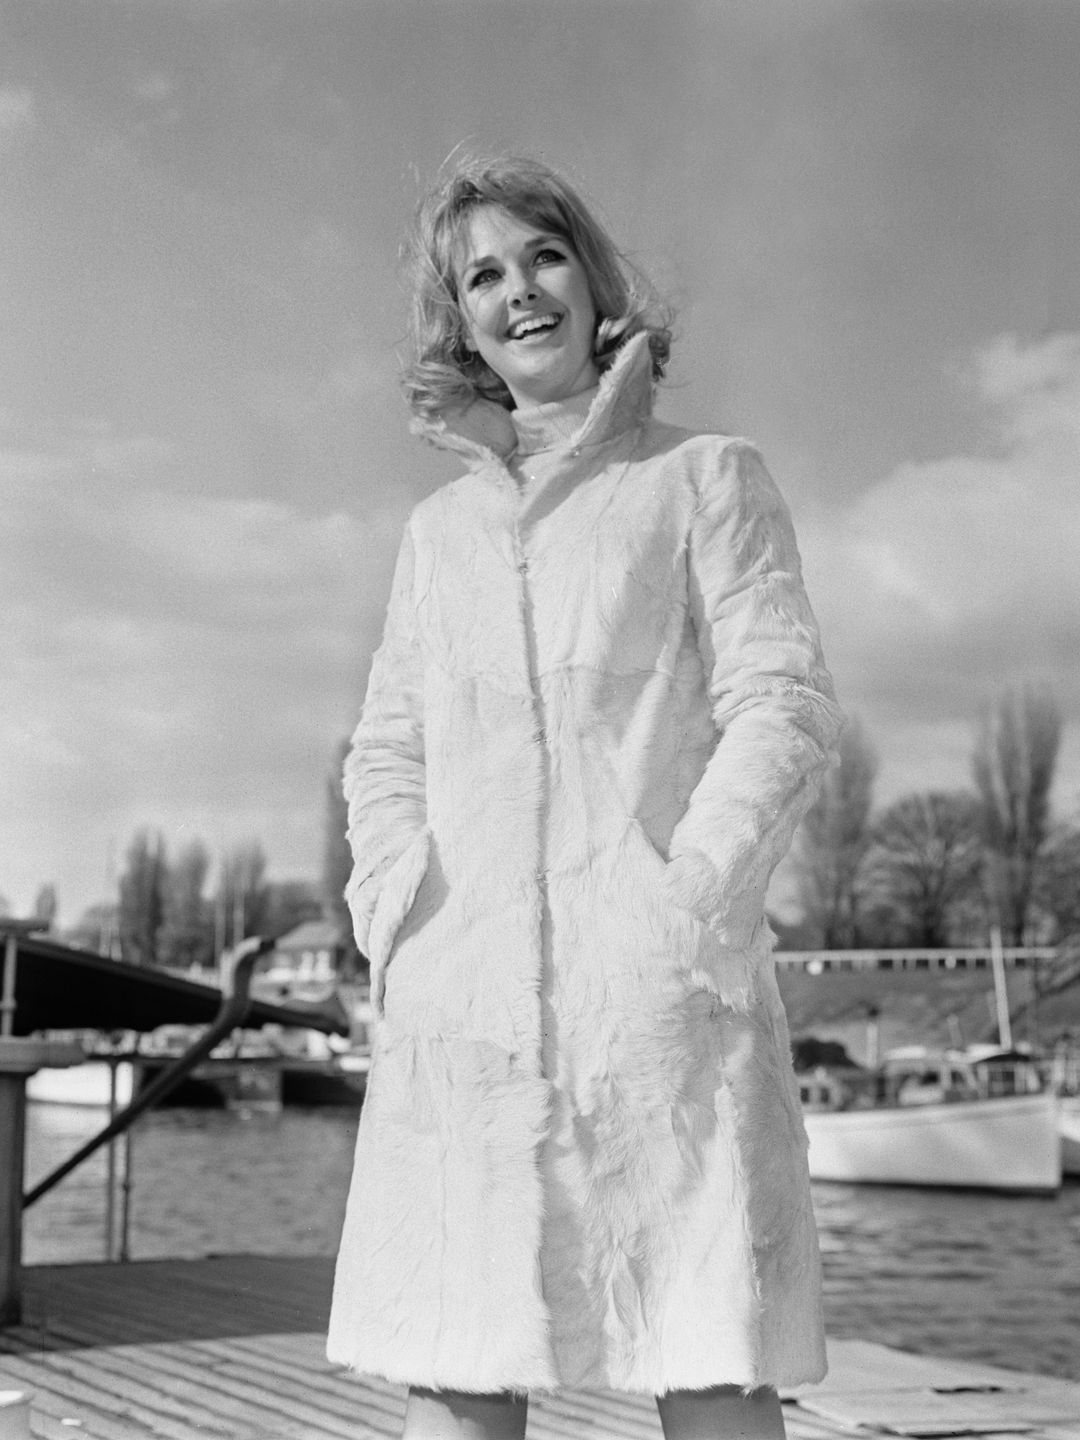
<point>481,277</point>
<point>548,255</point>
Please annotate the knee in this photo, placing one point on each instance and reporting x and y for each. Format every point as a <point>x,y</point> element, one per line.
<point>726,1411</point>
<point>457,1415</point>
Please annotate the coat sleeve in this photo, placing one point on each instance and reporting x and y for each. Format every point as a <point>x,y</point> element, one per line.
<point>384,780</point>
<point>771,696</point>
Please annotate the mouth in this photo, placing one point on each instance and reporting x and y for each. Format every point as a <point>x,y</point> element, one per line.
<point>533,325</point>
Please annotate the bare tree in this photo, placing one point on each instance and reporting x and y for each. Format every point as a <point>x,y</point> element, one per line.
<point>242,891</point>
<point>834,840</point>
<point>925,863</point>
<point>1059,884</point>
<point>187,933</point>
<point>97,929</point>
<point>142,887</point>
<point>1013,765</point>
<point>288,903</point>
<point>46,906</point>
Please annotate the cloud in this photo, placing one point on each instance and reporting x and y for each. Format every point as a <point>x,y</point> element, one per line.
<point>155,87</point>
<point>17,115</point>
<point>1034,388</point>
<point>951,578</point>
<point>177,660</point>
<point>189,660</point>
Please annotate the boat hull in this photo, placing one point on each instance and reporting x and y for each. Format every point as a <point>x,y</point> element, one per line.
<point>1006,1144</point>
<point>1069,1122</point>
<point>88,1085</point>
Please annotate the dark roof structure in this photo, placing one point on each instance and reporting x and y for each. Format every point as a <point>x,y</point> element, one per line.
<point>60,988</point>
<point>312,935</point>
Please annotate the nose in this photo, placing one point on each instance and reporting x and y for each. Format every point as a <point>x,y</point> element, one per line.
<point>523,289</point>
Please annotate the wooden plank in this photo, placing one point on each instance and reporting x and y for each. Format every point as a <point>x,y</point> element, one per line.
<point>230,1379</point>
<point>193,1290</point>
<point>263,1417</point>
<point>100,1416</point>
<point>929,1412</point>
<point>547,1422</point>
<point>292,1400</point>
<point>125,1380</point>
<point>191,1387</point>
<point>215,1350</point>
<point>336,1407</point>
<point>616,1415</point>
<point>602,1413</point>
<point>331,1384</point>
<point>156,1412</point>
<point>336,1414</point>
<point>48,1427</point>
<point>229,1355</point>
<point>856,1365</point>
<point>124,1372</point>
<point>229,1388</point>
<point>210,1297</point>
<point>801,1425</point>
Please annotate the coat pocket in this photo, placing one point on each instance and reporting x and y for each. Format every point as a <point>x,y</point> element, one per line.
<point>651,865</point>
<point>396,896</point>
<point>723,962</point>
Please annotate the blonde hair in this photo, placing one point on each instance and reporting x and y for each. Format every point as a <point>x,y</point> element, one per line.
<point>442,372</point>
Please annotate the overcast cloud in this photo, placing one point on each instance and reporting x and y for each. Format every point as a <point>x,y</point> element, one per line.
<point>953,576</point>
<point>866,214</point>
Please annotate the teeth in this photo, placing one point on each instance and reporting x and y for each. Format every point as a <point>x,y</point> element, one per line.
<point>527,327</point>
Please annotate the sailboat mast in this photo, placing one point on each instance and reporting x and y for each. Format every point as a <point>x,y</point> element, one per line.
<point>1001,993</point>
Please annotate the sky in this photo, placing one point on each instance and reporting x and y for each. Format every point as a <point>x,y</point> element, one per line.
<point>865,214</point>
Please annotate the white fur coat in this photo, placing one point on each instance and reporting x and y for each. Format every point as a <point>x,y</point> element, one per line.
<point>595,720</point>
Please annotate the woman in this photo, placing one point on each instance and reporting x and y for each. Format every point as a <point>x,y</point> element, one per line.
<point>598,713</point>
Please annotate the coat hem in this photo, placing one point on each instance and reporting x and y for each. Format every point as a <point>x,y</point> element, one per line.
<point>780,1379</point>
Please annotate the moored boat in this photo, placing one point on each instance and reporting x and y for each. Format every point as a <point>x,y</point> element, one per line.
<point>89,1084</point>
<point>1069,1124</point>
<point>937,1119</point>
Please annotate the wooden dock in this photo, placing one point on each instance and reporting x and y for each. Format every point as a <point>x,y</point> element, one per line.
<point>231,1348</point>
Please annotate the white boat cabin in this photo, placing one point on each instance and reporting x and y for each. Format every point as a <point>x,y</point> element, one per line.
<point>917,1075</point>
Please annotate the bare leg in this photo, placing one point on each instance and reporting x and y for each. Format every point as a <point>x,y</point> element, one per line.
<point>723,1413</point>
<point>450,1415</point>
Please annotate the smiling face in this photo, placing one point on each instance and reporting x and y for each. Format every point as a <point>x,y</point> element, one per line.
<point>528,311</point>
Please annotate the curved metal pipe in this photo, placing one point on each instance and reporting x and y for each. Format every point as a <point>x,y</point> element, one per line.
<point>233,1012</point>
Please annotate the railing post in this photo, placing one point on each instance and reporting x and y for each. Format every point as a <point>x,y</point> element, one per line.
<point>7,993</point>
<point>127,1188</point>
<point>12,1140</point>
<point>110,1169</point>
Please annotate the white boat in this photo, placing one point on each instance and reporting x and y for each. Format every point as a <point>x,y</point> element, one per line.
<point>1069,1125</point>
<point>935,1119</point>
<point>87,1084</point>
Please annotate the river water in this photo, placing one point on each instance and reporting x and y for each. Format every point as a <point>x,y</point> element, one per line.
<point>971,1276</point>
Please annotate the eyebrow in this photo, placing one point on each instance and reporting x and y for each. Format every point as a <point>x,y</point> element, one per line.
<point>532,245</point>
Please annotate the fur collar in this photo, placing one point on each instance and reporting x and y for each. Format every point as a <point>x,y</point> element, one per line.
<point>483,431</point>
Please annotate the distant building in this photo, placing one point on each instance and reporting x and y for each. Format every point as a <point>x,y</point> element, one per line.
<point>305,964</point>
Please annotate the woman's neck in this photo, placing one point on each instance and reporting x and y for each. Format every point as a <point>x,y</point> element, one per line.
<point>543,427</point>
